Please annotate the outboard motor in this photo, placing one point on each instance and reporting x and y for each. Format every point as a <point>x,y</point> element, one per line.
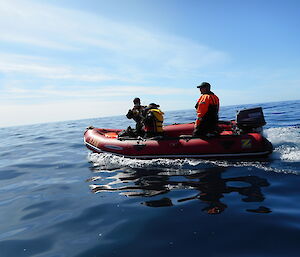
<point>250,120</point>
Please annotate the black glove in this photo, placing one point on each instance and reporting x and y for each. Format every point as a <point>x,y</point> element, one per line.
<point>129,115</point>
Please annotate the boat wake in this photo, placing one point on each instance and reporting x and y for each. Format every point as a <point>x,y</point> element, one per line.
<point>286,142</point>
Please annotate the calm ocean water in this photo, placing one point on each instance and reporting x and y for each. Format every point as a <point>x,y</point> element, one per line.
<point>57,199</point>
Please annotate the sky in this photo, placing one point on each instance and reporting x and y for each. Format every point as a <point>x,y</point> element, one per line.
<point>78,59</point>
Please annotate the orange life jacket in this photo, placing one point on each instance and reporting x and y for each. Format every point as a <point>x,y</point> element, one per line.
<point>207,108</point>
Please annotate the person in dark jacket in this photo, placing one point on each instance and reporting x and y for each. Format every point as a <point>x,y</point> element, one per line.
<point>136,113</point>
<point>207,109</point>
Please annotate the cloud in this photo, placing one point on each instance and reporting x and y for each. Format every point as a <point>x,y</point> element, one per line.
<point>38,67</point>
<point>15,93</point>
<point>28,22</point>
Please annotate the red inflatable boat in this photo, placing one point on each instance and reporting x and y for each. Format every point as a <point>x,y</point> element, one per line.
<point>236,139</point>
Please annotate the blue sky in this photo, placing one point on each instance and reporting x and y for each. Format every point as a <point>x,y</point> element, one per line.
<point>71,59</point>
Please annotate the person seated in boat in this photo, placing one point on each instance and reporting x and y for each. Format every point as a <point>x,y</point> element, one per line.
<point>207,108</point>
<point>136,113</point>
<point>153,120</point>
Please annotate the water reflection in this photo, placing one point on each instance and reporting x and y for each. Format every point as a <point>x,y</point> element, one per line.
<point>209,186</point>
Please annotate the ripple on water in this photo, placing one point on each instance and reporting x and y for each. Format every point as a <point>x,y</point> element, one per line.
<point>10,174</point>
<point>28,247</point>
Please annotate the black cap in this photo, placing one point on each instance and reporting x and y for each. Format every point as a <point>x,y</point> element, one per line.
<point>204,84</point>
<point>153,105</point>
<point>136,100</point>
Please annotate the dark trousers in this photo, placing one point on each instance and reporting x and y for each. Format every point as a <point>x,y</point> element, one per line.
<point>204,128</point>
<point>139,129</point>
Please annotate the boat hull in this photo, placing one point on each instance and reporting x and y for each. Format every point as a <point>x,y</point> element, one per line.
<point>178,143</point>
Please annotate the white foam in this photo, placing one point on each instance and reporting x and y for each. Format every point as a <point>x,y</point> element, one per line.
<point>286,142</point>
<point>283,135</point>
<point>110,163</point>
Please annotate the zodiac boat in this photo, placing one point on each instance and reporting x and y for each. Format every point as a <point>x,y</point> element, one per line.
<point>236,139</point>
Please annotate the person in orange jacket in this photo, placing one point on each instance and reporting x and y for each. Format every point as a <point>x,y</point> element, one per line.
<point>207,109</point>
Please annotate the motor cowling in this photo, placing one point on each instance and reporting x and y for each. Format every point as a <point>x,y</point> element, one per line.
<point>250,119</point>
